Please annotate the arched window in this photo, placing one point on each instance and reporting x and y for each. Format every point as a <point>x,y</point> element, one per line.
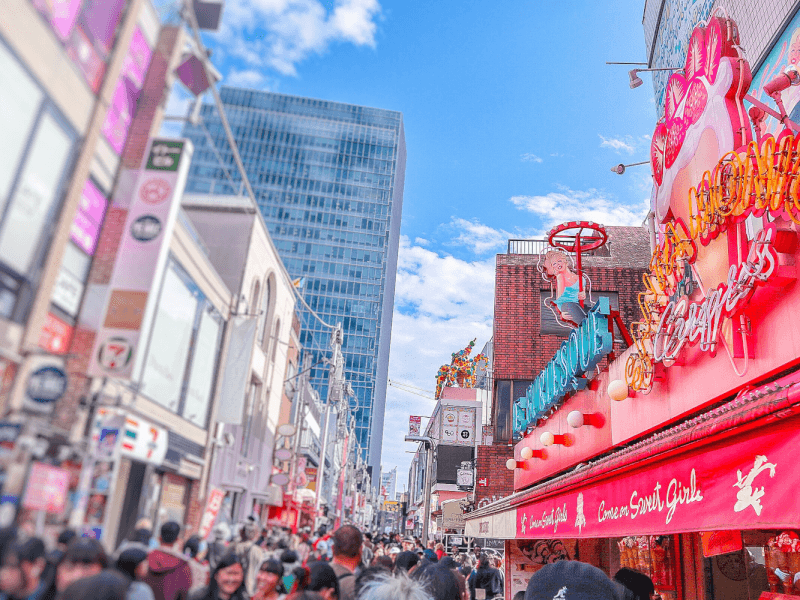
<point>276,335</point>
<point>263,313</point>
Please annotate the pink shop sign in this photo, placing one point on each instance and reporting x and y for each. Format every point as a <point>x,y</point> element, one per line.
<point>86,225</point>
<point>749,483</point>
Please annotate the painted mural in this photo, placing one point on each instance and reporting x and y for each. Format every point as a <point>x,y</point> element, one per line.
<point>678,19</point>
<point>785,52</point>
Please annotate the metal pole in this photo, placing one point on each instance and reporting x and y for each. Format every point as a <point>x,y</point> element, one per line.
<point>428,485</point>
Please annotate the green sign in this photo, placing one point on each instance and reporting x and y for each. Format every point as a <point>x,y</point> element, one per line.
<point>165,155</point>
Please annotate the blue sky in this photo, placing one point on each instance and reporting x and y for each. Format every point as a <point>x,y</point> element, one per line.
<point>512,123</point>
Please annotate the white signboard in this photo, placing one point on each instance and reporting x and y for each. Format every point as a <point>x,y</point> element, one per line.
<point>139,264</point>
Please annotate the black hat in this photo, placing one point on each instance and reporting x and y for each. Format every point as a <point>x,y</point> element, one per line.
<point>572,580</point>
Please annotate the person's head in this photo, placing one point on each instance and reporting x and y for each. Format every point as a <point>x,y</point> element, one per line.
<point>64,538</point>
<point>169,533</point>
<point>556,262</point>
<point>322,579</point>
<point>485,562</point>
<point>441,583</point>
<point>408,544</point>
<point>22,565</point>
<point>430,555</point>
<point>141,536</point>
<point>383,561</point>
<point>289,557</point>
<point>393,552</point>
<point>133,563</point>
<point>574,580</point>
<point>384,586</point>
<point>228,577</point>
<point>368,535</point>
<point>448,562</point>
<point>347,543</point>
<point>367,575</point>
<point>439,546</point>
<point>406,561</point>
<point>431,544</point>
<point>221,532</point>
<point>520,595</point>
<point>106,585</point>
<point>269,575</point>
<point>637,582</point>
<point>192,546</point>
<point>250,530</point>
<point>84,557</point>
<point>144,523</point>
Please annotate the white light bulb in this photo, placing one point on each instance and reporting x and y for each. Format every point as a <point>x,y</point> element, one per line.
<point>526,453</point>
<point>547,439</point>
<point>618,390</point>
<point>575,419</point>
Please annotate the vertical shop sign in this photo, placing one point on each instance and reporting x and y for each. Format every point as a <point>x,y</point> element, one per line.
<point>140,263</point>
<point>414,423</point>
<point>47,489</point>
<point>213,504</point>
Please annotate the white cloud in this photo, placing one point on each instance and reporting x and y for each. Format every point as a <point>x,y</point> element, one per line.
<point>421,241</point>
<point>617,143</point>
<point>279,34</point>
<point>528,157</point>
<point>556,154</point>
<point>476,236</point>
<point>250,78</point>
<point>590,205</point>
<point>441,303</point>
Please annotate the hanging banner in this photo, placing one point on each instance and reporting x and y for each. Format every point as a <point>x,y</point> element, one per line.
<point>213,504</point>
<point>414,425</point>
<point>746,484</point>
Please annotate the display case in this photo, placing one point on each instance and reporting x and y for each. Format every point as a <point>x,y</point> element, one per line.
<point>653,555</point>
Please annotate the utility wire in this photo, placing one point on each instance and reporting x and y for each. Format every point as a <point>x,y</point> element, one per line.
<point>192,20</point>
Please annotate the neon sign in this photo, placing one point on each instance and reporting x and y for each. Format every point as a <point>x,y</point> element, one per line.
<point>564,374</point>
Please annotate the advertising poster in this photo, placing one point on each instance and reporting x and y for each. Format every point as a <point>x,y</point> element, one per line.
<point>213,504</point>
<point>414,425</point>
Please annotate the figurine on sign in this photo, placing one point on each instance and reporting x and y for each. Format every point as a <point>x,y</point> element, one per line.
<point>568,299</point>
<point>461,371</point>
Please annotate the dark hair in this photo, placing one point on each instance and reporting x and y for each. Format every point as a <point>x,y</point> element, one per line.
<point>448,562</point>
<point>441,583</point>
<point>108,585</point>
<point>484,563</point>
<point>29,550</point>
<point>520,595</point>
<point>65,537</point>
<point>226,561</point>
<point>129,559</point>
<point>192,545</point>
<point>289,556</point>
<point>272,566</point>
<point>406,560</point>
<point>370,574</point>
<point>368,535</point>
<point>322,576</point>
<point>347,541</point>
<point>141,535</point>
<point>383,561</point>
<point>87,551</point>
<point>637,582</point>
<point>170,532</point>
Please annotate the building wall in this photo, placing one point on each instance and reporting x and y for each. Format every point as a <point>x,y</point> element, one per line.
<point>333,207</point>
<point>668,25</point>
<point>491,467</point>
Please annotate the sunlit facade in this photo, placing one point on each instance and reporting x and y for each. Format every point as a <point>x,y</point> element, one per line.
<point>328,178</point>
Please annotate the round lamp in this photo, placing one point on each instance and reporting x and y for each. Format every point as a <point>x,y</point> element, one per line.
<point>547,439</point>
<point>575,419</point>
<point>618,390</point>
<point>511,464</point>
<point>526,453</point>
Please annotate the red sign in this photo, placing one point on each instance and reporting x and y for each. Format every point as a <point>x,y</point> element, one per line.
<point>56,335</point>
<point>414,424</point>
<point>213,504</point>
<point>746,484</point>
<point>720,542</point>
<point>47,489</point>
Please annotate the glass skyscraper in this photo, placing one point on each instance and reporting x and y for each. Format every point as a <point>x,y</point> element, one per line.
<point>328,178</point>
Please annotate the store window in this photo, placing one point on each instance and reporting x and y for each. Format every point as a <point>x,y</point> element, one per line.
<point>506,393</point>
<point>183,351</point>
<point>37,148</point>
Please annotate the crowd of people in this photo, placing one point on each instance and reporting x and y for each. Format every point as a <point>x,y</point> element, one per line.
<point>255,563</point>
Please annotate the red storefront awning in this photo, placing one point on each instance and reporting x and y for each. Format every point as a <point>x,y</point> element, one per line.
<point>736,467</point>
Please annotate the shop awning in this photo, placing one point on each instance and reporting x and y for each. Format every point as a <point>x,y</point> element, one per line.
<point>735,467</point>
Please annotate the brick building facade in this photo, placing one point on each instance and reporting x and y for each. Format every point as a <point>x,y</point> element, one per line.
<point>520,348</point>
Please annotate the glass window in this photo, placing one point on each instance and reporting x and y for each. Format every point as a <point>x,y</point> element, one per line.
<point>20,99</point>
<point>165,366</point>
<point>275,340</point>
<point>263,318</point>
<point>34,195</point>
<point>204,363</point>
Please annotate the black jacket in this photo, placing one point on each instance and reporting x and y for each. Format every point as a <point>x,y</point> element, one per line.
<point>489,580</point>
